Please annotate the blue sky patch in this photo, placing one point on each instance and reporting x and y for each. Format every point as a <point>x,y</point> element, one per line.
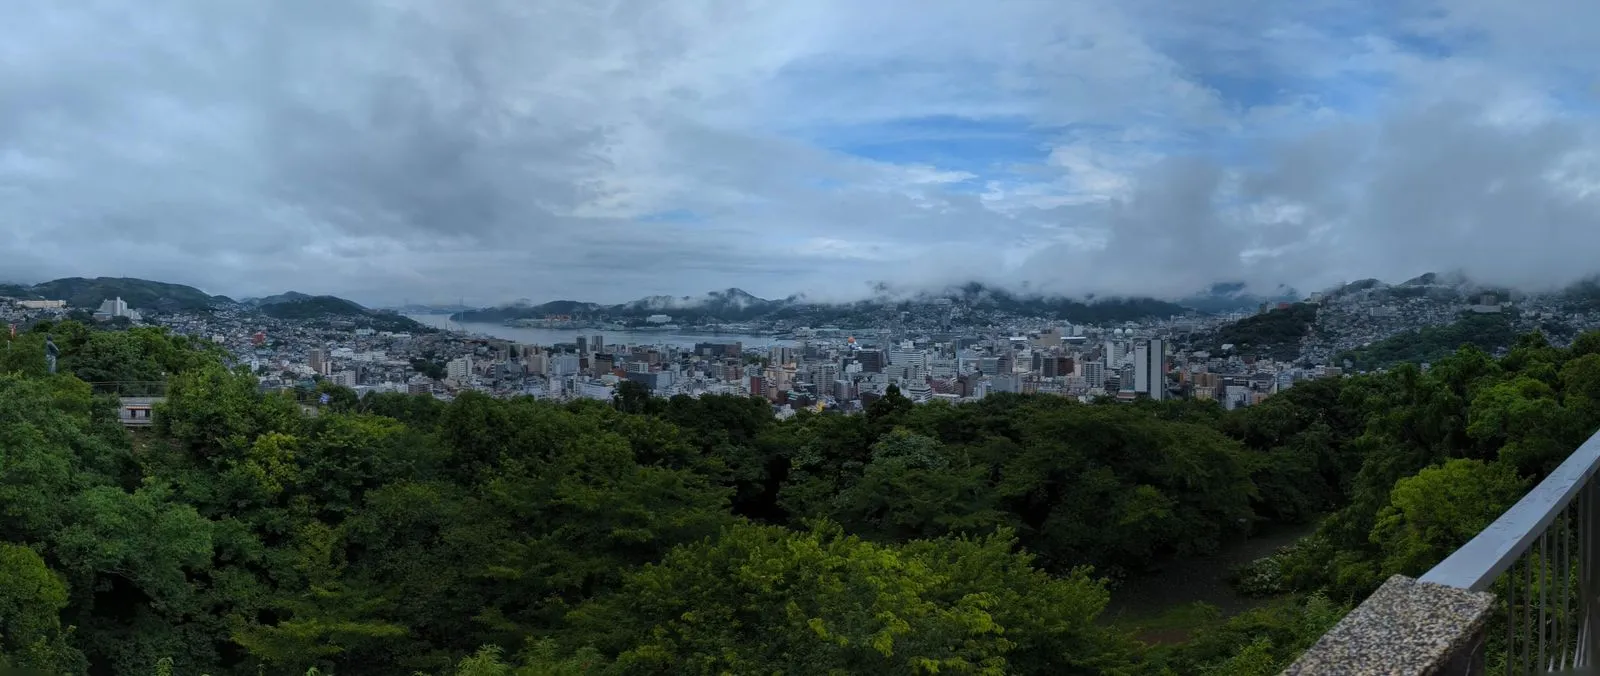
<point>675,216</point>
<point>951,143</point>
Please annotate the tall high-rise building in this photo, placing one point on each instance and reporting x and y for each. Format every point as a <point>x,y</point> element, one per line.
<point>317,359</point>
<point>1113,355</point>
<point>1158,369</point>
<point>597,342</point>
<point>1149,368</point>
<point>583,345</point>
<point>1141,367</point>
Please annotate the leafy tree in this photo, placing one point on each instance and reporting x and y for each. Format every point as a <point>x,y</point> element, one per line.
<point>341,399</point>
<point>1523,418</point>
<point>889,409</point>
<point>763,599</point>
<point>913,487</point>
<point>430,368</point>
<point>31,599</point>
<point>1258,642</point>
<point>1438,510</point>
<point>214,411</point>
<point>632,397</point>
<point>419,411</point>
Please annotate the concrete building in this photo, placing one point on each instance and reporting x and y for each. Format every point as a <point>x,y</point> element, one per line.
<point>1094,374</point>
<point>117,307</point>
<point>565,364</point>
<point>908,357</point>
<point>459,369</point>
<point>1149,368</point>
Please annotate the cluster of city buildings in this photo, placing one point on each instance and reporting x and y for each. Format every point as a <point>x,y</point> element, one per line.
<point>847,373</point>
<point>821,369</point>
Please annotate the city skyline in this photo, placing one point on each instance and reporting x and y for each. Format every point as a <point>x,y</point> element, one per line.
<point>431,151</point>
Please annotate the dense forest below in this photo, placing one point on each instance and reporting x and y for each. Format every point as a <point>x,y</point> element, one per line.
<point>398,534</point>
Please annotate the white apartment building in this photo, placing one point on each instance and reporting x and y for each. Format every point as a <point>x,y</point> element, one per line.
<point>459,369</point>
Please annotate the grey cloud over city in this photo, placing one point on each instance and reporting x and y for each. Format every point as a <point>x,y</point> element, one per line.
<point>430,150</point>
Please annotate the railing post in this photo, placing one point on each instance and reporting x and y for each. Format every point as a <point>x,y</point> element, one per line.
<point>1406,627</point>
<point>1468,661</point>
<point>1589,640</point>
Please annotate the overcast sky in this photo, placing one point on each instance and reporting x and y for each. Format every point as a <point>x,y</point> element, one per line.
<point>436,149</point>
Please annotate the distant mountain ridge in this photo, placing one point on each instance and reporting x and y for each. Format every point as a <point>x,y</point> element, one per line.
<point>285,297</point>
<point>151,296</point>
<point>732,304</point>
<point>143,294</point>
<point>429,309</point>
<point>1438,286</point>
<point>738,305</point>
<point>293,305</point>
<point>1225,297</point>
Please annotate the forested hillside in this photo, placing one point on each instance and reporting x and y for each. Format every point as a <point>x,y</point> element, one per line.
<point>1275,333</point>
<point>395,534</point>
<point>1488,332</point>
<point>143,294</point>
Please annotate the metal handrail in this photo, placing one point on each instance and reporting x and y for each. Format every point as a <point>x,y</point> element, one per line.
<point>123,387</point>
<point>1477,564</point>
<point>1539,557</point>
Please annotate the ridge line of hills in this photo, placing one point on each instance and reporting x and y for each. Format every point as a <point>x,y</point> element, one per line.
<point>82,293</point>
<point>737,305</point>
<point>732,304</point>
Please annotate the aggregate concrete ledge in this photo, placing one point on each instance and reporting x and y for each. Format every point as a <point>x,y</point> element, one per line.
<point>1406,628</point>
